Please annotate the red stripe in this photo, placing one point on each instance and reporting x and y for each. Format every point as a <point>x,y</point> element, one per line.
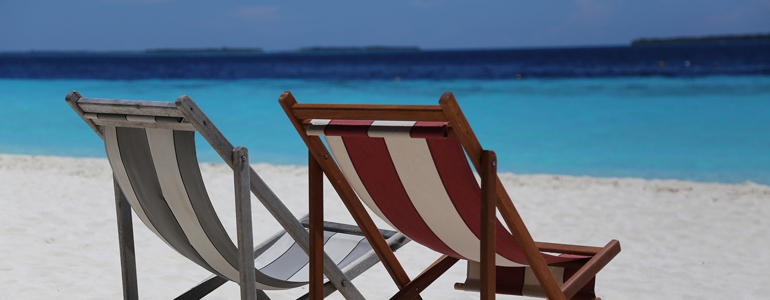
<point>465,193</point>
<point>347,128</point>
<point>429,130</point>
<point>509,280</point>
<point>372,161</point>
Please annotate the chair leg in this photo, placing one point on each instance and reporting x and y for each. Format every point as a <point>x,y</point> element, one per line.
<point>315,182</point>
<point>241,171</point>
<point>413,289</point>
<point>203,288</point>
<point>126,243</point>
<point>488,224</point>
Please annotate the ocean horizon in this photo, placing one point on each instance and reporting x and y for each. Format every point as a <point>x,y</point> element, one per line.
<point>660,112</point>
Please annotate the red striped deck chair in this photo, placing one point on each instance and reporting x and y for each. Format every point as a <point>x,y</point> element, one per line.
<point>408,164</point>
<point>151,148</point>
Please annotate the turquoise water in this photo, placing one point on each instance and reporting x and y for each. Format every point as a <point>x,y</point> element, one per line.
<point>703,129</point>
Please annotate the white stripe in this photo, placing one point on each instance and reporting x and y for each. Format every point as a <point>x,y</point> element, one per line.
<point>161,143</point>
<point>275,251</point>
<point>116,161</point>
<point>422,182</point>
<point>340,153</point>
<point>391,128</point>
<point>337,248</point>
<point>317,127</point>
<point>532,287</point>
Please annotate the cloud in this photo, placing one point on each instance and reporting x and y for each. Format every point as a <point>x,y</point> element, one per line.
<point>590,12</point>
<point>258,13</point>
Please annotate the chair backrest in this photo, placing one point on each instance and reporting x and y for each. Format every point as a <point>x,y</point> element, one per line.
<point>419,181</point>
<point>151,148</point>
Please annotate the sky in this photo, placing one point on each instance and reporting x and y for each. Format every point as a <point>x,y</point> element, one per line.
<point>107,25</point>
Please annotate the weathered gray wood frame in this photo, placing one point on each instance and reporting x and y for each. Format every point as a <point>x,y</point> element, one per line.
<point>246,180</point>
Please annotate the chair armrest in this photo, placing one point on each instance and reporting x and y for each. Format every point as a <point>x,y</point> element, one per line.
<point>590,269</point>
<point>568,249</point>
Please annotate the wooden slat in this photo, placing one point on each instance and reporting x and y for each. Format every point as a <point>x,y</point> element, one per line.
<point>590,269</point>
<point>428,276</point>
<point>247,273</point>
<point>173,126</point>
<point>316,226</point>
<point>368,112</point>
<point>207,129</point>
<point>126,244</point>
<point>510,215</point>
<point>129,107</point>
<point>346,193</point>
<point>72,99</point>
<point>488,176</point>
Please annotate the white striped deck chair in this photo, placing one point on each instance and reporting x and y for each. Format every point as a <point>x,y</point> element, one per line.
<point>408,164</point>
<point>151,148</point>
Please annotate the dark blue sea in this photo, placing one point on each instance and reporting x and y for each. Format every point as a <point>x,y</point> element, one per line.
<point>691,112</point>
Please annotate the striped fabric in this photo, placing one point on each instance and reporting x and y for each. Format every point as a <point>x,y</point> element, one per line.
<point>158,171</point>
<point>418,181</point>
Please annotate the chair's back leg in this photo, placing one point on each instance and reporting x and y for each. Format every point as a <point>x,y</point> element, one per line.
<point>126,243</point>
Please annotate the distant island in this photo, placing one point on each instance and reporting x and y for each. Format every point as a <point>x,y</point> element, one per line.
<point>705,39</point>
<point>205,50</point>
<point>359,49</point>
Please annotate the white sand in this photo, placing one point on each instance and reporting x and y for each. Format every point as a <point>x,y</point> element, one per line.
<point>680,240</point>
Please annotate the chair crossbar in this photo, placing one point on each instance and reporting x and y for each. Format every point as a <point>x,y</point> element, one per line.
<point>369,112</point>
<point>129,107</point>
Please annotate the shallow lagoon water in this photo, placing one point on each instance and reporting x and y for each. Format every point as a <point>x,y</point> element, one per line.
<point>712,128</point>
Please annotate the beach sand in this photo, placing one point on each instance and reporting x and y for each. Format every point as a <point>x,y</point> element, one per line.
<point>680,240</point>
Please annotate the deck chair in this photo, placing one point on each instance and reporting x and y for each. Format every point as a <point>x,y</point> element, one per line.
<point>408,164</point>
<point>151,148</point>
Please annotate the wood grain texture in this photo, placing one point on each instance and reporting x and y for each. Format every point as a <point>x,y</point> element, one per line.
<point>247,277</point>
<point>129,107</point>
<point>568,249</point>
<point>488,176</point>
<point>72,99</point>
<point>316,227</point>
<point>126,244</point>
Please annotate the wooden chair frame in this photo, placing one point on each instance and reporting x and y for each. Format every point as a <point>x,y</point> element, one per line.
<point>246,181</point>
<point>494,196</point>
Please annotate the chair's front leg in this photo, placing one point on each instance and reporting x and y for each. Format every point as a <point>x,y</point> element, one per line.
<point>488,223</point>
<point>126,243</point>
<point>316,224</point>
<point>241,171</point>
